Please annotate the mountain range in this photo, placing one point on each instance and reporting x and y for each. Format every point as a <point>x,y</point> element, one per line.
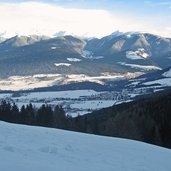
<point>113,56</point>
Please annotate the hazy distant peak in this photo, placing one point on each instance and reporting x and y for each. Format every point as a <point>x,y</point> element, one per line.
<point>20,40</point>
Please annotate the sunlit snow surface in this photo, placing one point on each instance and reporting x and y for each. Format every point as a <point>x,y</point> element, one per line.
<point>143,67</point>
<point>24,148</point>
<point>62,64</point>
<point>73,59</point>
<point>139,54</point>
<point>46,80</point>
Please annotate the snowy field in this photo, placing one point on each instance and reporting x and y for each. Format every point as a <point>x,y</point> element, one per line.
<point>60,94</point>
<point>26,148</point>
<point>92,104</point>
<point>76,102</point>
<point>84,107</point>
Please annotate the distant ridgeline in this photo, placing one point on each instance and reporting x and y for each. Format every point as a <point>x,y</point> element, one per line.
<point>147,120</point>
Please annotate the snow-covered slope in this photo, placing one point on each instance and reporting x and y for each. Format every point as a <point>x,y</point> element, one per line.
<point>139,54</point>
<point>24,148</point>
<point>156,80</point>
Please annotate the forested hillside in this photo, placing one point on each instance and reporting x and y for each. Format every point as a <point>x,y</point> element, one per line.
<point>147,119</point>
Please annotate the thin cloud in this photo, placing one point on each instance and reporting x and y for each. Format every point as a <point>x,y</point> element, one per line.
<point>47,19</point>
<point>162,3</point>
<point>41,18</point>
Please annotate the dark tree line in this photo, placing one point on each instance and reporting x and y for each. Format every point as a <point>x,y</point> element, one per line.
<point>29,115</point>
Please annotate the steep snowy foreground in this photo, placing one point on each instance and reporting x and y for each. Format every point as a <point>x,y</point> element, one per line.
<point>24,148</point>
<point>34,148</point>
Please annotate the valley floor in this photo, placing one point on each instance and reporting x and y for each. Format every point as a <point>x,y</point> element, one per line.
<point>74,102</point>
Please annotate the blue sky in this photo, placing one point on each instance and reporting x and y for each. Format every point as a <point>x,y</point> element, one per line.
<point>146,15</point>
<point>145,5</point>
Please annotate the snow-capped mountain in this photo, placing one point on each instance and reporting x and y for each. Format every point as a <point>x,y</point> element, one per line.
<point>133,48</point>
<point>2,39</point>
<point>19,41</point>
<point>34,148</point>
<point>115,56</point>
<point>27,57</point>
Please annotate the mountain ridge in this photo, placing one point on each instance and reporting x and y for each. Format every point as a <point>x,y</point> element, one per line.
<point>119,53</point>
